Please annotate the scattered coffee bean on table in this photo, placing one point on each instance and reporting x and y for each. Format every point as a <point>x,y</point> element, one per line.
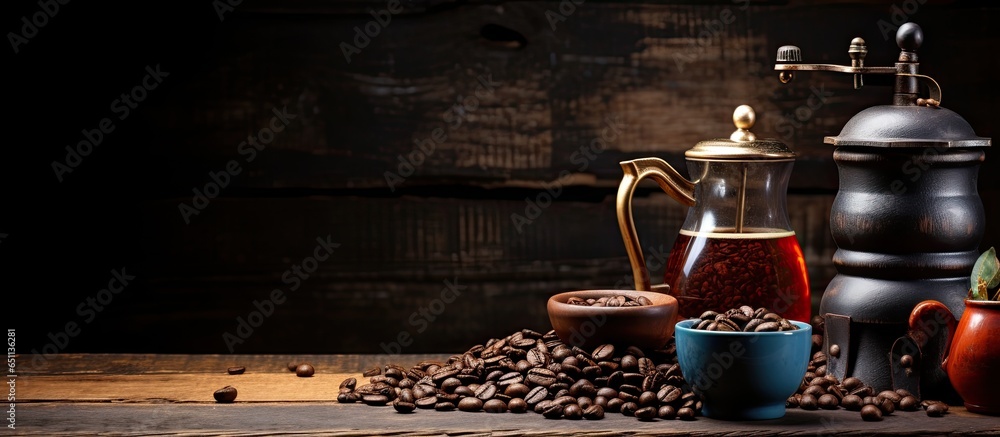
<point>304,370</point>
<point>871,413</point>
<point>743,319</point>
<point>236,370</point>
<point>611,301</point>
<point>529,371</point>
<point>292,365</point>
<point>225,394</point>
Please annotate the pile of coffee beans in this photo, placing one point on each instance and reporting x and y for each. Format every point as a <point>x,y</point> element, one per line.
<point>743,319</point>
<point>820,390</point>
<point>529,371</point>
<point>611,301</point>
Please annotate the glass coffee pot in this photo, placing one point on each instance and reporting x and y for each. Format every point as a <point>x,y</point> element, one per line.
<point>736,246</point>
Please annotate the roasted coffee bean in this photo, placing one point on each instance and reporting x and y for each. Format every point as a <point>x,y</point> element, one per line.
<point>486,391</point>
<point>630,389</point>
<point>403,407</point>
<point>902,392</point>
<point>633,378</point>
<point>863,391</point>
<point>629,363</point>
<point>851,383</point>
<point>368,373</point>
<point>426,403</point>
<point>225,394</point>
<point>517,406</point>
<point>666,412</point>
<point>647,398</point>
<point>495,406</point>
<point>909,403</point>
<point>602,401</point>
<point>628,397</point>
<point>293,364</point>
<point>583,387</point>
<point>669,394</point>
<point>614,405</point>
<point>607,392</point>
<point>815,391</point>
<point>890,395</point>
<point>470,404</point>
<point>304,370</point>
<point>375,400</point>
<point>464,391</point>
<point>836,391</point>
<point>629,408</point>
<point>537,358</point>
<point>808,402</point>
<point>347,397</point>
<point>406,395</point>
<point>852,402</point>
<point>540,377</point>
<point>553,412</point>
<point>449,385</point>
<point>870,400</point>
<point>511,378</point>
<point>348,384</point>
<point>886,405</point>
<point>686,413</point>
<point>444,406</point>
<point>871,413</point>
<point>573,412</point>
<point>536,395</point>
<point>828,402</point>
<point>542,406</point>
<point>752,325</point>
<point>646,413</point>
<point>584,402</point>
<point>937,409</point>
<point>564,400</point>
<point>792,401</point>
<point>236,370</point>
<point>522,366</point>
<point>559,389</point>
<point>767,327</point>
<point>593,412</point>
<point>517,390</point>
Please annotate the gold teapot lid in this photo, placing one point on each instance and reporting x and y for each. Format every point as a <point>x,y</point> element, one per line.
<point>742,144</point>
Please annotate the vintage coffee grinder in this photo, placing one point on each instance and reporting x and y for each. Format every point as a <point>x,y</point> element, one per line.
<point>907,220</point>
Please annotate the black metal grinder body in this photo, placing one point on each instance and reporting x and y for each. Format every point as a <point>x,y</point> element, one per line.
<point>907,220</point>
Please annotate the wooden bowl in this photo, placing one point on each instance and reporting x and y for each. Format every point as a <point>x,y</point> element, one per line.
<point>648,326</point>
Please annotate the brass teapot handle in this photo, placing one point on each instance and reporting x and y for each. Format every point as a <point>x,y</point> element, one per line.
<point>672,183</point>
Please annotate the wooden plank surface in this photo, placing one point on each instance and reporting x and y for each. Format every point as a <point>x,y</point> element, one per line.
<point>322,418</point>
<point>171,395</point>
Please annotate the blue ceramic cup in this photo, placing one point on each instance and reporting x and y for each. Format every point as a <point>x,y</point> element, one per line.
<point>743,375</point>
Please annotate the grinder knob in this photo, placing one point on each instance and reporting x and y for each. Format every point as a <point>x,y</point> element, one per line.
<point>909,37</point>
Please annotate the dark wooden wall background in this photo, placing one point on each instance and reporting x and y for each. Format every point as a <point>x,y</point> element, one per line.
<point>669,73</point>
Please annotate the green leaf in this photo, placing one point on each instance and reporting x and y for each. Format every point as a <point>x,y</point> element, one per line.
<point>987,268</point>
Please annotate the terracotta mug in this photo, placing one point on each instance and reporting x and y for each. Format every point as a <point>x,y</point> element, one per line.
<point>972,358</point>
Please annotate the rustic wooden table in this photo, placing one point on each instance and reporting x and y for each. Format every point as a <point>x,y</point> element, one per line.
<point>172,395</point>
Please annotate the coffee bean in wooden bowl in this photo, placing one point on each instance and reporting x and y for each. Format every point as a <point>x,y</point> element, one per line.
<point>590,318</point>
<point>741,371</point>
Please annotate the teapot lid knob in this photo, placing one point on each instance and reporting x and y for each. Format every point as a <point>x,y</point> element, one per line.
<point>743,118</point>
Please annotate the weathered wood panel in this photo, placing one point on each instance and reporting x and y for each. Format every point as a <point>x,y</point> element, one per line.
<point>670,74</point>
<point>199,278</point>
